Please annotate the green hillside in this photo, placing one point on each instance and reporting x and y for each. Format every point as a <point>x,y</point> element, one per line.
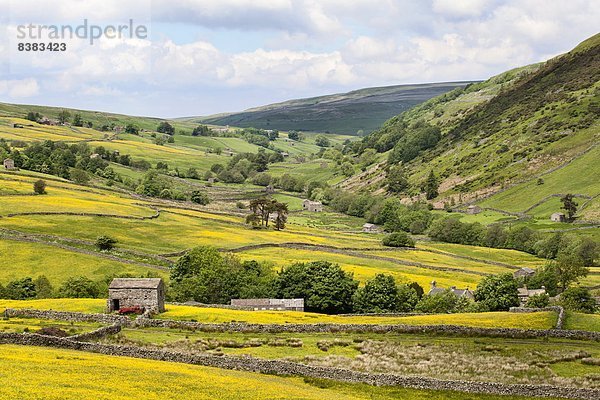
<point>347,113</point>
<point>513,130</point>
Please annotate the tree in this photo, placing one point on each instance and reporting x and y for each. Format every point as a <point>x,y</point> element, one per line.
<point>21,289</point>
<point>587,251</point>
<point>570,206</point>
<point>132,129</point>
<point>194,261</point>
<point>39,187</point>
<point>79,287</point>
<point>431,186</point>
<point>347,168</point>
<point>79,176</point>
<point>578,299</point>
<point>64,116</point>
<point>165,127</point>
<point>569,268</point>
<point>294,135</point>
<point>322,141</point>
<point>397,179</point>
<point>203,274</point>
<point>382,295</point>
<point>200,197</point>
<point>43,287</point>
<point>444,302</point>
<point>281,209</point>
<point>202,130</point>
<point>77,120</point>
<point>324,286</point>
<point>498,292</point>
<point>35,117</point>
<point>398,239</point>
<point>105,243</point>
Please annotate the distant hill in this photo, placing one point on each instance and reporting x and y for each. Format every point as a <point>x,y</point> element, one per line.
<point>344,113</point>
<point>510,131</point>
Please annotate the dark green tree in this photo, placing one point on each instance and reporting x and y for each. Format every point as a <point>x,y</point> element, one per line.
<point>21,289</point>
<point>165,127</point>
<point>200,197</point>
<point>43,287</point>
<point>105,243</point>
<point>398,239</point>
<point>382,295</point>
<point>39,187</point>
<point>431,185</point>
<point>397,179</point>
<point>498,292</point>
<point>324,286</point>
<point>77,120</point>
<point>64,116</point>
<point>79,287</point>
<point>570,206</point>
<point>578,299</point>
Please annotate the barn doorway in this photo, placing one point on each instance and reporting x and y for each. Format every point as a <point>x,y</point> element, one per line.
<point>115,305</point>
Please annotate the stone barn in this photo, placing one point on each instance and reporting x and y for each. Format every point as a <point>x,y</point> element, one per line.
<point>312,206</point>
<point>473,209</point>
<point>147,293</point>
<point>9,163</point>
<point>558,217</point>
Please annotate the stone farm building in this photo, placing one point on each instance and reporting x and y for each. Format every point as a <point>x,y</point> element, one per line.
<point>558,217</point>
<point>9,164</point>
<point>313,206</point>
<point>370,228</point>
<point>524,273</point>
<point>473,209</point>
<point>458,292</point>
<point>147,293</point>
<point>525,294</point>
<point>270,304</point>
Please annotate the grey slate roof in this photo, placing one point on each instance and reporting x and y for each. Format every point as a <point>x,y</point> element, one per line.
<point>135,283</point>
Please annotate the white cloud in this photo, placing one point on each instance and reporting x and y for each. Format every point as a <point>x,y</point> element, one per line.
<point>19,88</point>
<point>460,8</point>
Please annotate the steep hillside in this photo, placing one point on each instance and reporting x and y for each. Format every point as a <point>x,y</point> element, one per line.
<point>346,113</point>
<point>491,135</point>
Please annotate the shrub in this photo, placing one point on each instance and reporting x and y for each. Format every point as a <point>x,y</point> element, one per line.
<point>398,239</point>
<point>578,299</point>
<point>105,243</point>
<point>538,301</point>
<point>39,187</point>
<point>200,197</point>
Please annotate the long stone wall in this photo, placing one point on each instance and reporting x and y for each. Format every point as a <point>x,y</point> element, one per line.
<point>451,330</point>
<point>281,367</point>
<point>66,316</point>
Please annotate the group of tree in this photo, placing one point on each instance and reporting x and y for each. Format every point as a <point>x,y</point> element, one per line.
<point>264,209</point>
<point>243,166</point>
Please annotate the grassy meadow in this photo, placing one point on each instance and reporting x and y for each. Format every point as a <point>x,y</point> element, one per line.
<point>542,320</point>
<point>69,374</point>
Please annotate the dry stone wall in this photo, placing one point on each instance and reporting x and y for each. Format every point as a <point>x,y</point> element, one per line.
<point>281,367</point>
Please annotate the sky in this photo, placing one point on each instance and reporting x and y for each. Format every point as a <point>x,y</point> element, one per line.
<point>201,57</point>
